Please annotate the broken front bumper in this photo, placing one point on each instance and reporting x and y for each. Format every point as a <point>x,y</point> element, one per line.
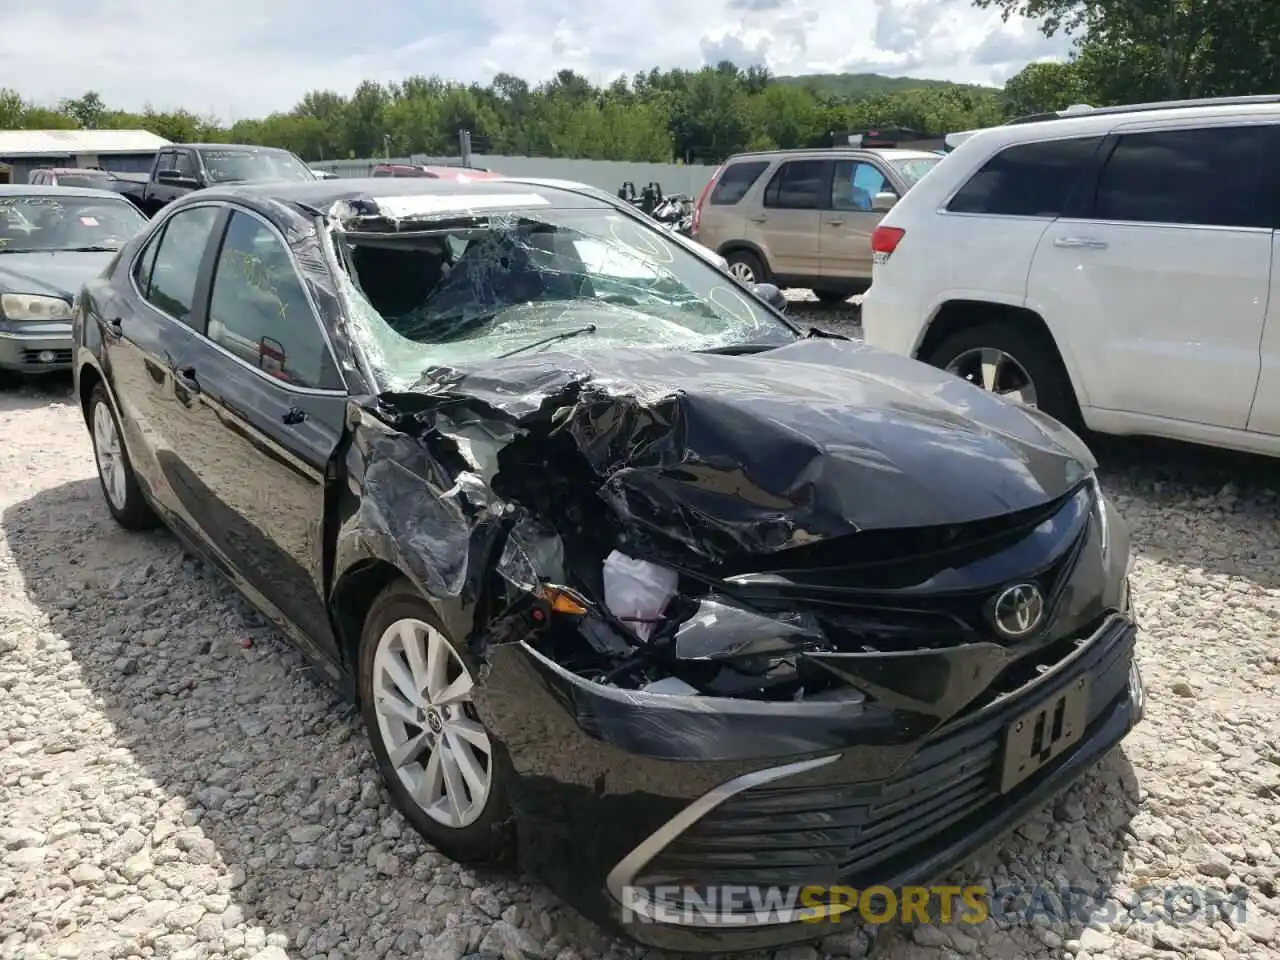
<point>620,809</point>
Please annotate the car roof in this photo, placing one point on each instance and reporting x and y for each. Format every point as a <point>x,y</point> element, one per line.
<point>1105,119</point>
<point>39,190</point>
<point>245,147</point>
<point>901,153</point>
<point>86,171</point>
<point>837,152</point>
<point>323,194</point>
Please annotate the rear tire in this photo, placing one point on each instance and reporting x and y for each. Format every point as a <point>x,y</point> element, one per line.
<point>830,297</point>
<point>445,772</point>
<point>747,267</point>
<point>115,472</point>
<point>962,351</point>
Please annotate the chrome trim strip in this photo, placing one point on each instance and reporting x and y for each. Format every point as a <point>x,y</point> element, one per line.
<point>33,337</point>
<point>625,871</point>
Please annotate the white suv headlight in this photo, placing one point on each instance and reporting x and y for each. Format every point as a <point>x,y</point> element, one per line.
<point>22,307</point>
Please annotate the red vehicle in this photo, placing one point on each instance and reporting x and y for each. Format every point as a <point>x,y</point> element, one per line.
<point>461,174</point>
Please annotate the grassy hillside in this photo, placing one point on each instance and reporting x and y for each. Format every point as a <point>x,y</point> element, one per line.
<point>858,86</point>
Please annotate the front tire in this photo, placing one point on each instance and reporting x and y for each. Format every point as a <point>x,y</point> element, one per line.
<point>444,771</point>
<point>115,472</point>
<point>746,267</point>
<point>1010,361</point>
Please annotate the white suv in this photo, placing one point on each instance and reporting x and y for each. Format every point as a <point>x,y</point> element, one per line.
<point>1114,268</point>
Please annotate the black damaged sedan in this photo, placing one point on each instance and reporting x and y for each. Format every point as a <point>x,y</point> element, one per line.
<point>633,580</point>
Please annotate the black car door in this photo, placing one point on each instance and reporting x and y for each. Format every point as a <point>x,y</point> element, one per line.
<point>154,304</point>
<point>266,413</point>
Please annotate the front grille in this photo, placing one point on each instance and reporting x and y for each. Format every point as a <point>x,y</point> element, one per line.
<point>788,836</point>
<point>32,358</point>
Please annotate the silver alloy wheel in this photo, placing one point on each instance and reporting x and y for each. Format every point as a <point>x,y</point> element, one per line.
<point>741,271</point>
<point>996,372</point>
<point>422,696</point>
<point>109,453</point>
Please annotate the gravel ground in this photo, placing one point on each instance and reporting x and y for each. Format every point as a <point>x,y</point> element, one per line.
<point>173,782</point>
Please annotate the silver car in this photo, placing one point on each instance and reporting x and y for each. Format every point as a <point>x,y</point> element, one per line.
<point>52,240</point>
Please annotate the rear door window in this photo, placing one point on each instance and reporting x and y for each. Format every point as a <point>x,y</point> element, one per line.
<point>798,185</point>
<point>1209,177</point>
<point>736,181</point>
<point>1027,179</point>
<point>176,265</point>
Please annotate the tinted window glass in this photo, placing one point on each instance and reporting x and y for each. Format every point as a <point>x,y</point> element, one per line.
<point>259,310</point>
<point>142,269</point>
<point>854,184</point>
<point>736,181</point>
<point>1210,177</point>
<point>167,161</point>
<point>177,262</point>
<point>796,186</point>
<point>185,164</point>
<point>1027,180</point>
<point>381,172</point>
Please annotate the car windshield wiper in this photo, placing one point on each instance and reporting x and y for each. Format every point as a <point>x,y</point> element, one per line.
<point>742,349</point>
<point>93,248</point>
<point>577,331</point>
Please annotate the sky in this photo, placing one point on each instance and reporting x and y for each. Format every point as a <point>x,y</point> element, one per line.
<point>246,58</point>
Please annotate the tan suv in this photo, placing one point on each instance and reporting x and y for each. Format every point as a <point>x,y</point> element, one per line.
<point>804,218</point>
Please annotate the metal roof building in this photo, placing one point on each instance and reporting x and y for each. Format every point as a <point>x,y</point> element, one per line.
<point>123,151</point>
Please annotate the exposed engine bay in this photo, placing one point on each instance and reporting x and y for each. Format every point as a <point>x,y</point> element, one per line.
<point>809,520</point>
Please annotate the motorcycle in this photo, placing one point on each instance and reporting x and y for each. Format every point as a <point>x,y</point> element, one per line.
<point>673,212</point>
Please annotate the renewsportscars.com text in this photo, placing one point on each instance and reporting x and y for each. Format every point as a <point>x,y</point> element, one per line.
<point>1007,905</point>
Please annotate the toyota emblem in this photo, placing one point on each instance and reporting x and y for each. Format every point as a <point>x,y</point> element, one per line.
<point>1018,611</point>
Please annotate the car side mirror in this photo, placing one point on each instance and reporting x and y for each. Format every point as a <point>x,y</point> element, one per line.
<point>884,202</point>
<point>771,295</point>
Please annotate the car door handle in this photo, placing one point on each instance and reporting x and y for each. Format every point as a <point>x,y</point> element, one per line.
<point>294,416</point>
<point>759,219</point>
<point>835,222</point>
<point>1084,243</point>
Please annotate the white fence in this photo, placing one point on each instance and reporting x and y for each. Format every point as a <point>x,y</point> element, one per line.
<point>605,174</point>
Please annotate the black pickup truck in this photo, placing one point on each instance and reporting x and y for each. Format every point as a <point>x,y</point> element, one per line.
<point>192,166</point>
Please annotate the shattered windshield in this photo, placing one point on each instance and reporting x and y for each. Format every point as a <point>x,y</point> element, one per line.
<point>459,290</point>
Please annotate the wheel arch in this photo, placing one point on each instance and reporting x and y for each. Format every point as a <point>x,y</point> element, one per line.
<point>351,598</point>
<point>88,377</point>
<point>733,246</point>
<point>958,314</point>
<point>358,585</point>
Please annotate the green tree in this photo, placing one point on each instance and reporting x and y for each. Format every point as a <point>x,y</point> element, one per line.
<point>658,115</point>
<point>88,111</point>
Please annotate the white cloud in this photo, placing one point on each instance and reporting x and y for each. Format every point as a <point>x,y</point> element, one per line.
<point>243,58</point>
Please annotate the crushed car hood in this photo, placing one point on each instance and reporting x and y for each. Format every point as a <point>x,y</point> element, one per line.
<point>50,273</point>
<point>756,454</point>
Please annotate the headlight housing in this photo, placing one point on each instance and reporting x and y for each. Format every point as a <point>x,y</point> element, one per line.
<point>27,308</point>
